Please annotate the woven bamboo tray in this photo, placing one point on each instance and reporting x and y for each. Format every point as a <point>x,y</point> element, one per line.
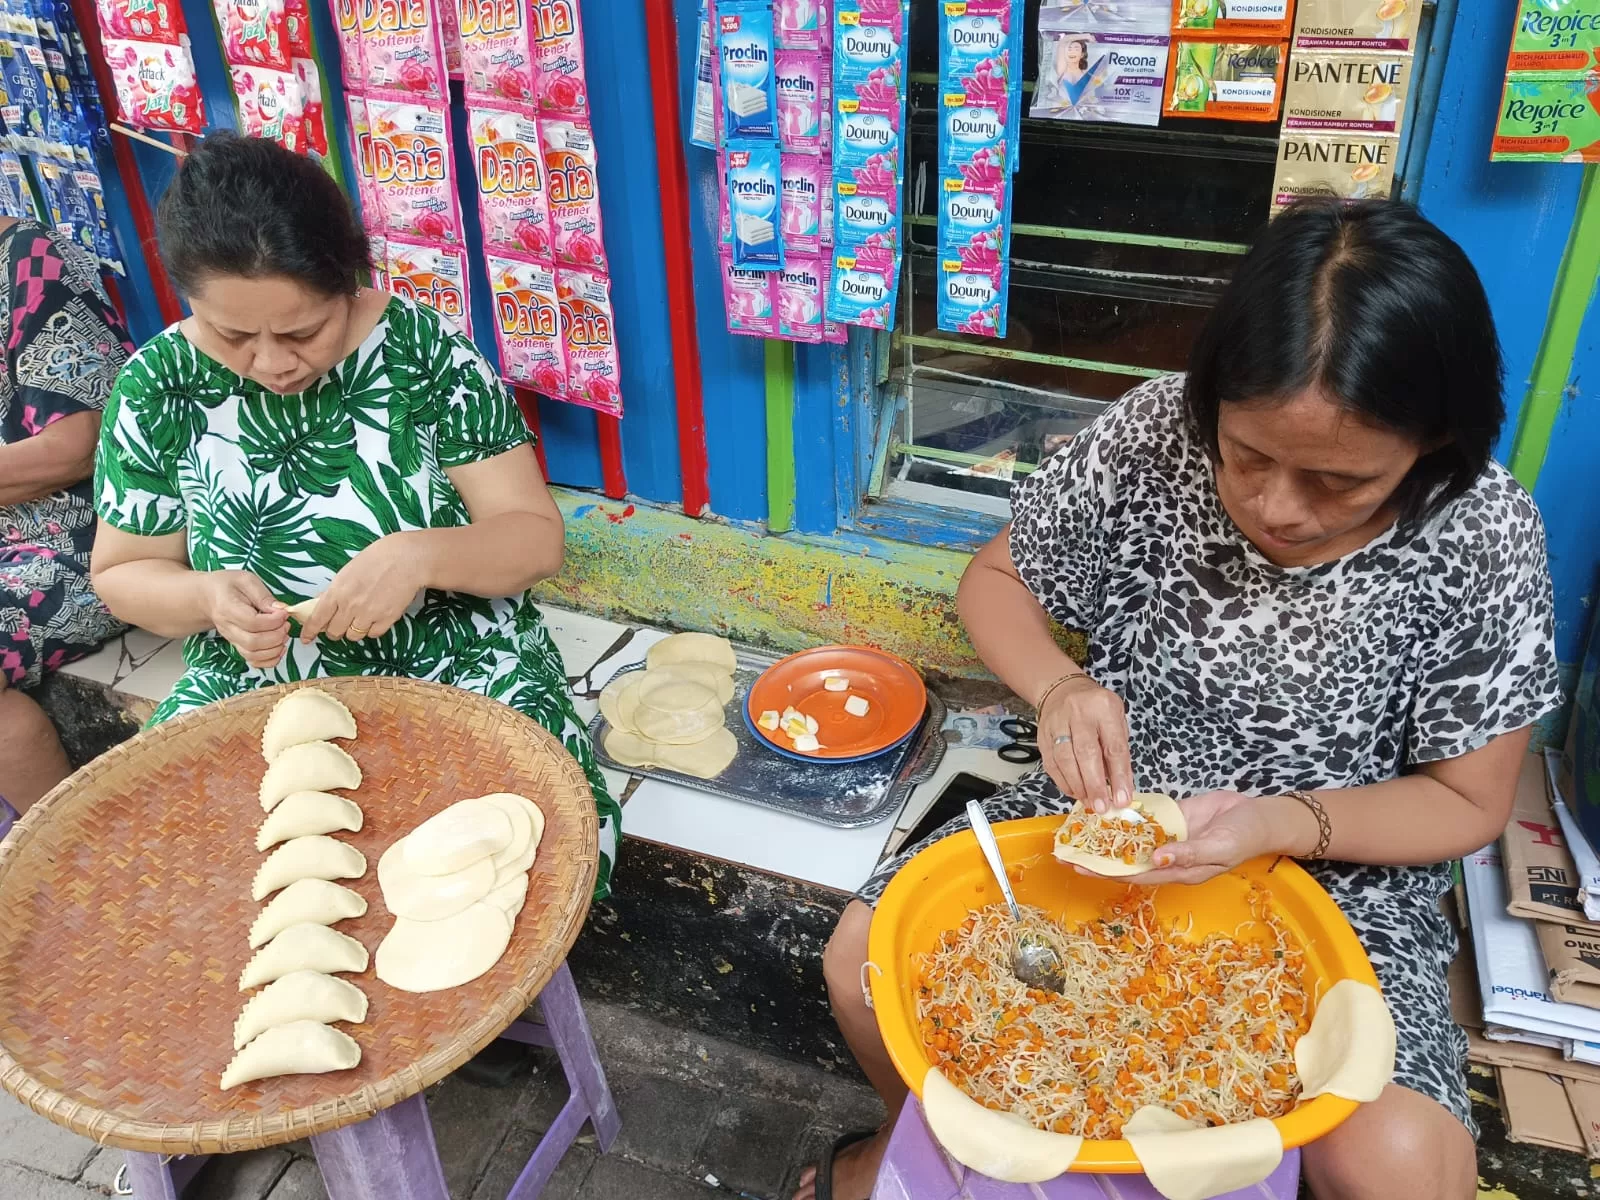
<point>124,908</point>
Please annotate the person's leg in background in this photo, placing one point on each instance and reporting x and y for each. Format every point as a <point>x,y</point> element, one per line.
<point>32,760</point>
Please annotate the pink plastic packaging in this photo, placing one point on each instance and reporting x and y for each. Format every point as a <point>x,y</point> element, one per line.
<point>804,182</point>
<point>138,20</point>
<point>434,274</point>
<point>497,56</point>
<point>401,50</point>
<point>594,378</point>
<point>412,170</point>
<point>270,105</point>
<point>799,24</point>
<point>573,190</point>
<point>316,125</point>
<point>155,85</point>
<point>254,32</point>
<point>801,80</point>
<point>361,148</point>
<point>509,165</point>
<point>297,25</point>
<point>450,37</point>
<point>747,297</point>
<point>347,24</point>
<point>802,292</point>
<point>558,46</point>
<point>527,323</point>
<point>378,250</point>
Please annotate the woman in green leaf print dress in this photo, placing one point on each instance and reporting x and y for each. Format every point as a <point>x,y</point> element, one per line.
<point>302,436</point>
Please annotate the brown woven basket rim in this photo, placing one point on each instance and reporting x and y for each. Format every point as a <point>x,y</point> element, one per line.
<point>256,1131</point>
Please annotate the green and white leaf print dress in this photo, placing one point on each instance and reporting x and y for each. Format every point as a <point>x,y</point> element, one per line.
<point>292,487</point>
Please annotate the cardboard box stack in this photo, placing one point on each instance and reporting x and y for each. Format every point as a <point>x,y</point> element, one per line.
<point>1529,990</point>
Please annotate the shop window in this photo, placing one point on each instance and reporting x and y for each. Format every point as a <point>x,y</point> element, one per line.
<point>1123,236</point>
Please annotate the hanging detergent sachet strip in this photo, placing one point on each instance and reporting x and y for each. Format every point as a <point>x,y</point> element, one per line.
<point>747,297</point>
<point>868,81</point>
<point>558,48</point>
<point>413,170</point>
<point>755,184</point>
<point>527,322</point>
<point>977,104</point>
<point>588,329</point>
<point>401,50</point>
<point>497,56</point>
<point>510,169</point>
<point>746,60</point>
<point>432,273</point>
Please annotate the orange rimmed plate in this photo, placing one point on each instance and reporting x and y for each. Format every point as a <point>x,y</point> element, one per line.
<point>939,887</point>
<point>895,693</point>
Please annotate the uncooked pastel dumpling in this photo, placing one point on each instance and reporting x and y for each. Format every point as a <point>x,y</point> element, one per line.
<point>305,902</point>
<point>303,948</point>
<point>430,956</point>
<point>692,648</point>
<point>298,1048</point>
<point>299,996</point>
<point>305,715</point>
<point>430,897</point>
<point>301,814</point>
<point>457,837</point>
<point>308,767</point>
<point>314,857</point>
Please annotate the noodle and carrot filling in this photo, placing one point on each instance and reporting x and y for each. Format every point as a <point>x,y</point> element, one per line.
<point>1204,1026</point>
<point>1112,835</point>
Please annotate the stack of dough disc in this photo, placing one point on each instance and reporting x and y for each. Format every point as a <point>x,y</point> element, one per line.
<point>286,1028</point>
<point>672,715</point>
<point>455,885</point>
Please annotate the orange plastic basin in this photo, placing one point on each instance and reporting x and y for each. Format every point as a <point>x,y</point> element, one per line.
<point>937,889</point>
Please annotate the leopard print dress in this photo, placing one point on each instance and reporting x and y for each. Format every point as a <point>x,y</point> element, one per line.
<point>1239,674</point>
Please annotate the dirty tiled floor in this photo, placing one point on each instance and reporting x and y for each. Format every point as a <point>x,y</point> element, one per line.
<point>691,1107</point>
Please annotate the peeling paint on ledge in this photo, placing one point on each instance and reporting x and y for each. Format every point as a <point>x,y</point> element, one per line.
<point>644,564</point>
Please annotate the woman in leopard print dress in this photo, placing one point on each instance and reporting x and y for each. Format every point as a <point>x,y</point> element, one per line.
<point>1299,571</point>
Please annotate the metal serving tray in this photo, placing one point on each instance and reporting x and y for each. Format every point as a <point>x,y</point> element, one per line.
<point>844,795</point>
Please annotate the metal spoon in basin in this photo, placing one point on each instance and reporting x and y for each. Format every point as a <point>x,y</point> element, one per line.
<point>1035,963</point>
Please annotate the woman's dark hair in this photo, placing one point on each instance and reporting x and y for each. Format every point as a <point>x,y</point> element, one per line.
<point>246,206</point>
<point>1374,305</point>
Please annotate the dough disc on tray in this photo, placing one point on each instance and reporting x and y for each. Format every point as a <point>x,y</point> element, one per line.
<point>430,956</point>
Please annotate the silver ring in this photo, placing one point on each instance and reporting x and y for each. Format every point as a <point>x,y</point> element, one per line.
<point>1063,738</point>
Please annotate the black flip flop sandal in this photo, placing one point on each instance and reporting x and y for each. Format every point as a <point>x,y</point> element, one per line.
<point>824,1184</point>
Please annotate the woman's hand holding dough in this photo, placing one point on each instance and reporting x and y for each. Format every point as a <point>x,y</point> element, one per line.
<point>370,594</point>
<point>243,611</point>
<point>1083,740</point>
<point>1226,829</point>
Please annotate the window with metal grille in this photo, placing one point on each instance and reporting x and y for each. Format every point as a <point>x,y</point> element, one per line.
<point>1122,238</point>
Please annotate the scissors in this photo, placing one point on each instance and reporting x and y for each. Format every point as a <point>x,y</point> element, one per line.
<point>1024,746</point>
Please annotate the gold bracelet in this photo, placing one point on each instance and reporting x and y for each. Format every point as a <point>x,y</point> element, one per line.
<point>1324,826</point>
<point>1067,678</point>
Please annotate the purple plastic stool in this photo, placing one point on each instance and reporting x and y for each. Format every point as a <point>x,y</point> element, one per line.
<point>392,1156</point>
<point>915,1168</point>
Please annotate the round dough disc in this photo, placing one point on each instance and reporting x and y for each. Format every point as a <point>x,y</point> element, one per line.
<point>705,759</point>
<point>619,700</point>
<point>678,713</point>
<point>521,828</point>
<point>510,897</point>
<point>430,956</point>
<point>457,837</point>
<point>704,674</point>
<point>693,647</point>
<point>430,897</point>
<point>1158,807</point>
<point>629,749</point>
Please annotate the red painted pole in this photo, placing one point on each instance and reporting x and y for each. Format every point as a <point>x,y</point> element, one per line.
<point>662,33</point>
<point>528,402</point>
<point>127,167</point>
<point>614,481</point>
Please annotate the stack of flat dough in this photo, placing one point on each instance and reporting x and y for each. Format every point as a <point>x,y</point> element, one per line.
<point>286,1027</point>
<point>673,714</point>
<point>455,885</point>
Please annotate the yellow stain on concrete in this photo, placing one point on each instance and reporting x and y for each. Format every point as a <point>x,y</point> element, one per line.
<point>661,568</point>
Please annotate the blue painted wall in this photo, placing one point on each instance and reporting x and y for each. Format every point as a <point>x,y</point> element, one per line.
<point>1511,218</point>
